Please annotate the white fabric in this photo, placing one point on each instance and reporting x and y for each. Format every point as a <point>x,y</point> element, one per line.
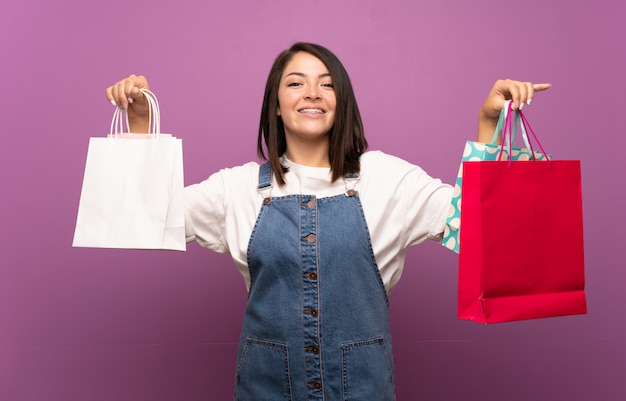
<point>403,206</point>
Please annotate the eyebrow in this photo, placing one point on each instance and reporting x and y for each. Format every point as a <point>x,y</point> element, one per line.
<point>303,75</point>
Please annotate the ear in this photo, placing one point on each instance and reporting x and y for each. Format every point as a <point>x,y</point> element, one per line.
<point>278,111</point>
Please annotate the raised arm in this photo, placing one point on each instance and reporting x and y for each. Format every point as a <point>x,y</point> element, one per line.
<point>126,94</point>
<point>522,93</point>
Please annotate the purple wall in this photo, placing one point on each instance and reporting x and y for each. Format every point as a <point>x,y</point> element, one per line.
<point>88,324</point>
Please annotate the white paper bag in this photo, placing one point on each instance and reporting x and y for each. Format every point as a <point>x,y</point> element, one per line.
<point>132,193</point>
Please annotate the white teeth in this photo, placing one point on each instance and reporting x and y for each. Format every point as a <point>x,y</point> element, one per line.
<point>312,111</point>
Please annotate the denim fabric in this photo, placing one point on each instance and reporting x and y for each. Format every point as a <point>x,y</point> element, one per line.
<point>316,325</point>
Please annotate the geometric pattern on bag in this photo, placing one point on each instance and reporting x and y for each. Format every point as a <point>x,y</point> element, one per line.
<point>475,151</point>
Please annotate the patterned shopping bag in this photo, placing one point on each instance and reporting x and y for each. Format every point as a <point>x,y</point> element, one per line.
<point>478,151</point>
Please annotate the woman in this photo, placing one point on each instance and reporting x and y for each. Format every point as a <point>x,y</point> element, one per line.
<point>319,232</point>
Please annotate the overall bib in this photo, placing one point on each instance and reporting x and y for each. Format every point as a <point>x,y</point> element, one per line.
<point>316,325</point>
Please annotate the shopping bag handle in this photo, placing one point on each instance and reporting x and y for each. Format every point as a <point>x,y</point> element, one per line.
<point>154,117</point>
<point>504,114</point>
<point>509,127</point>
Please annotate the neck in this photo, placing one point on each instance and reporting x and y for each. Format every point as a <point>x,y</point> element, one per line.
<point>308,154</point>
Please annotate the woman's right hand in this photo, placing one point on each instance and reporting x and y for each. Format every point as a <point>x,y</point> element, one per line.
<point>127,95</point>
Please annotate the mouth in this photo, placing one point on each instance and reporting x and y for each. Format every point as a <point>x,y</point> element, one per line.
<point>311,111</point>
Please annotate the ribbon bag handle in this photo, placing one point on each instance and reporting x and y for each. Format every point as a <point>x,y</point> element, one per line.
<point>503,115</point>
<point>154,118</point>
<point>527,128</point>
<point>509,128</point>
<point>502,124</point>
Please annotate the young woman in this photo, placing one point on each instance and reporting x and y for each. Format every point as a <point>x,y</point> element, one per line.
<point>319,232</point>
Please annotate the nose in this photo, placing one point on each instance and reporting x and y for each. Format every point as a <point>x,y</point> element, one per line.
<point>312,93</point>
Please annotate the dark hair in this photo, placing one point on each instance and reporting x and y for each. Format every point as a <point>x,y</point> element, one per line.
<point>346,139</point>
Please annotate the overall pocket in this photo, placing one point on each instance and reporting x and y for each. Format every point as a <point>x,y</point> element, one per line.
<point>367,371</point>
<point>263,372</point>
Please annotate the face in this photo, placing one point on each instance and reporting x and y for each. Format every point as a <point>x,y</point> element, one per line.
<point>306,99</point>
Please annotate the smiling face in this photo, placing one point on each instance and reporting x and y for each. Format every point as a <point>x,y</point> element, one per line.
<point>306,99</point>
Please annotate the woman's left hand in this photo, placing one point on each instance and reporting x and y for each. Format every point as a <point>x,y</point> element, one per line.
<point>521,93</point>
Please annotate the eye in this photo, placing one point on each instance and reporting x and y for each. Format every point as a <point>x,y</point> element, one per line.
<point>294,84</point>
<point>328,85</point>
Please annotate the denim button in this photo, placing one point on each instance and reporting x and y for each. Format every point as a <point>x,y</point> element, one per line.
<point>267,201</point>
<point>315,385</point>
<point>309,238</point>
<point>312,312</point>
<point>311,276</point>
<point>314,349</point>
<point>351,192</point>
<point>310,204</point>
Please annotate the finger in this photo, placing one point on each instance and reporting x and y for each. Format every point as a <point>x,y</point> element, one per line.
<point>524,89</point>
<point>109,95</point>
<point>119,93</point>
<point>126,91</point>
<point>536,88</point>
<point>115,95</point>
<point>530,92</point>
<point>514,92</point>
<point>130,89</point>
<point>133,87</point>
<point>541,87</point>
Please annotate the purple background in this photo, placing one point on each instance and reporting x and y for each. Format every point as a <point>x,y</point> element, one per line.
<point>89,324</point>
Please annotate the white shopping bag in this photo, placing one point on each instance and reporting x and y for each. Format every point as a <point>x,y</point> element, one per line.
<point>132,193</point>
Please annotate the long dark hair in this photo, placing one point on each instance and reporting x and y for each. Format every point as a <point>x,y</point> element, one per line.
<point>346,138</point>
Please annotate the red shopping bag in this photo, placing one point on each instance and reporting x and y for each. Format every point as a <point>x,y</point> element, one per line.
<point>521,253</point>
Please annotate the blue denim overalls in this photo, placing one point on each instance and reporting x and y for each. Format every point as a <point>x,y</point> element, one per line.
<point>316,326</point>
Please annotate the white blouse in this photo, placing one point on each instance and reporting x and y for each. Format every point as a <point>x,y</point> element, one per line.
<point>403,206</point>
